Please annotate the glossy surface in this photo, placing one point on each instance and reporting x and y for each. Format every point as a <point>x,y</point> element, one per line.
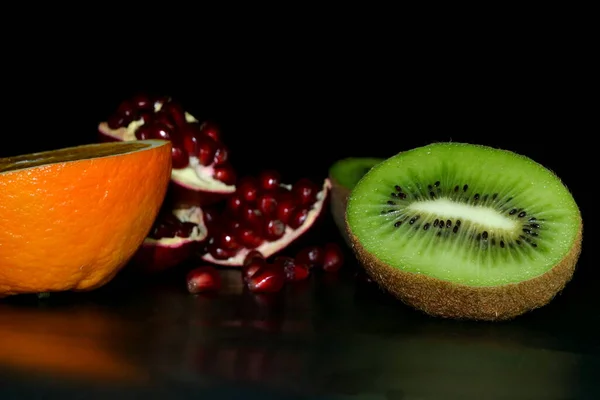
<point>332,337</point>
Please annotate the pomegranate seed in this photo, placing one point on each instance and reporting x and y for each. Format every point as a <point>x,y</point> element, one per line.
<point>159,130</point>
<point>190,134</point>
<point>164,118</point>
<point>220,253</point>
<point>211,130</point>
<point>116,122</point>
<point>126,110</point>
<point>312,256</point>
<point>298,218</point>
<point>267,204</point>
<point>142,102</point>
<point>146,116</point>
<point>251,215</point>
<point>248,190</point>
<point>203,279</point>
<point>221,155</point>
<point>249,238</point>
<point>206,150</point>
<point>285,208</point>
<point>274,229</point>
<point>305,191</point>
<point>234,203</point>
<point>228,242</point>
<point>175,112</point>
<point>268,279</point>
<point>333,258</point>
<point>143,132</point>
<point>161,230</point>
<point>294,271</point>
<point>179,157</point>
<point>185,229</point>
<point>211,216</point>
<point>269,180</point>
<point>251,256</point>
<point>225,174</point>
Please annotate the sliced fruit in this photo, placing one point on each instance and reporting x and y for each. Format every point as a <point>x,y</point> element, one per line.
<point>465,231</point>
<point>201,172</point>
<point>263,219</point>
<point>70,219</point>
<point>344,174</point>
<point>175,237</point>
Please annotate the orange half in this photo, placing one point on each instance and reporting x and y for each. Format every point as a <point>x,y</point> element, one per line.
<point>70,219</point>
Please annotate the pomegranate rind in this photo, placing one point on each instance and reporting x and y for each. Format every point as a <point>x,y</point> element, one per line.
<point>155,255</point>
<point>270,248</point>
<point>190,186</point>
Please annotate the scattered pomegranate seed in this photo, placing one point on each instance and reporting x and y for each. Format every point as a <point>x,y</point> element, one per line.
<point>269,180</point>
<point>313,256</point>
<point>225,174</point>
<point>333,258</point>
<point>305,191</point>
<point>251,256</point>
<point>253,261</point>
<point>274,229</point>
<point>268,279</point>
<point>203,279</point>
<point>294,271</point>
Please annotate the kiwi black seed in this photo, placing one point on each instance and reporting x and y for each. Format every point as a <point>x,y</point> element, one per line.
<point>507,231</point>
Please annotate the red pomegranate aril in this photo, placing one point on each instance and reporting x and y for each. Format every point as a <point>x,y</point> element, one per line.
<point>164,118</point>
<point>312,256</point>
<point>190,134</point>
<point>333,257</point>
<point>221,155</point>
<point>126,110</point>
<point>220,253</point>
<point>228,241</point>
<point>298,218</point>
<point>267,204</point>
<point>248,189</point>
<point>162,231</point>
<point>252,256</point>
<point>206,150</point>
<point>203,279</point>
<point>285,209</point>
<point>147,117</point>
<point>116,122</point>
<point>274,229</point>
<point>179,157</point>
<point>268,279</point>
<point>234,204</point>
<point>211,216</point>
<point>269,180</point>
<point>211,130</point>
<point>249,237</point>
<point>143,132</point>
<point>305,191</point>
<point>251,215</point>
<point>294,271</point>
<point>160,130</point>
<point>175,112</point>
<point>142,102</point>
<point>185,230</point>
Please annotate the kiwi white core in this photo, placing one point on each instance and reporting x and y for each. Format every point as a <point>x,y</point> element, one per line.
<point>466,214</point>
<point>448,209</point>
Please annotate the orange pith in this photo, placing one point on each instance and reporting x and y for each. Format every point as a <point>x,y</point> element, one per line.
<point>70,219</point>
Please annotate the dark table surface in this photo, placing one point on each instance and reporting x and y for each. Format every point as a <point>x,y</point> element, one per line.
<point>335,336</point>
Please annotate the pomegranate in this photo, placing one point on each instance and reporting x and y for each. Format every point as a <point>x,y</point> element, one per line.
<point>263,215</point>
<point>174,238</point>
<point>268,279</point>
<point>333,258</point>
<point>203,279</point>
<point>201,172</point>
<point>294,269</point>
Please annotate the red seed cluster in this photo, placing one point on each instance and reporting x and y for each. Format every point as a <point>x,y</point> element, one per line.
<point>259,211</point>
<point>190,140</point>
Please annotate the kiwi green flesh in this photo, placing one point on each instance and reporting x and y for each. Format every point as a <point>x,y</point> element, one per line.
<point>517,219</point>
<point>348,171</point>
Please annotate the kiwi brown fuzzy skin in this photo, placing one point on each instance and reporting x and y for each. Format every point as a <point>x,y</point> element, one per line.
<point>445,299</point>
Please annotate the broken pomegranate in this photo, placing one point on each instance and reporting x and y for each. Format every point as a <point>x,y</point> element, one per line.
<point>333,258</point>
<point>174,238</point>
<point>203,279</point>
<point>201,171</point>
<point>263,215</point>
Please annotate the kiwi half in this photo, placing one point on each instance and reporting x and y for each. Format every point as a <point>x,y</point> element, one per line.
<point>344,174</point>
<point>465,231</point>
